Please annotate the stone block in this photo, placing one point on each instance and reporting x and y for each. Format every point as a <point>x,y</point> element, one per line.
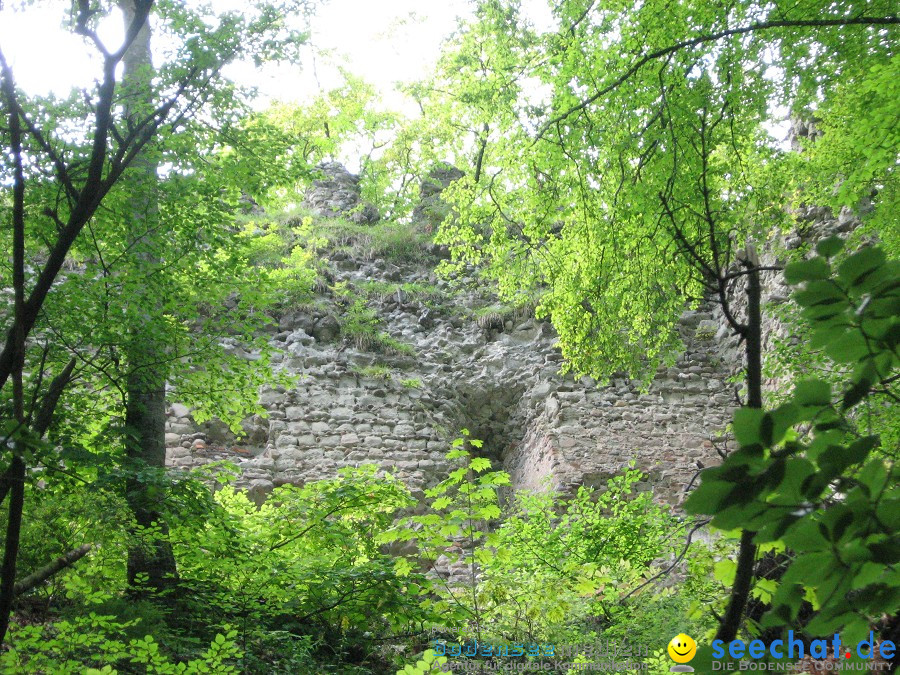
<point>285,440</point>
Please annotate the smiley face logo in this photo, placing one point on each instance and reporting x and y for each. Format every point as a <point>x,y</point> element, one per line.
<point>682,649</point>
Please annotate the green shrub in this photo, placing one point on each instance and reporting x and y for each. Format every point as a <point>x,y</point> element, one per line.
<point>592,550</point>
<point>429,663</point>
<point>303,563</point>
<point>376,371</point>
<point>361,326</point>
<point>95,644</point>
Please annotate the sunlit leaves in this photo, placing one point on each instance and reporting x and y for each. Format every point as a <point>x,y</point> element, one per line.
<point>853,160</point>
<point>312,550</point>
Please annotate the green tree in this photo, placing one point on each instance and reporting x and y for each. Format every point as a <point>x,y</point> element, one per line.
<point>104,166</point>
<point>145,405</point>
<point>481,84</point>
<point>348,120</point>
<point>640,163</point>
<point>808,474</point>
<point>305,562</point>
<point>66,157</point>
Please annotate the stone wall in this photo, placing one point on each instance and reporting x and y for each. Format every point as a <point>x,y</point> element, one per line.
<point>494,373</point>
<point>579,434</point>
<point>501,382</point>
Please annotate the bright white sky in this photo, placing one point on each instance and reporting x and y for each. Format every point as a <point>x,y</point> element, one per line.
<point>384,41</point>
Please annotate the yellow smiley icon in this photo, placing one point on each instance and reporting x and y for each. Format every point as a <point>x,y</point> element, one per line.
<point>682,648</point>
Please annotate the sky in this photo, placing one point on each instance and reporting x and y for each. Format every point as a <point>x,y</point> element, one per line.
<point>385,42</point>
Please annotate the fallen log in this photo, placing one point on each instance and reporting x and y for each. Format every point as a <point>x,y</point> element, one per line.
<point>40,576</point>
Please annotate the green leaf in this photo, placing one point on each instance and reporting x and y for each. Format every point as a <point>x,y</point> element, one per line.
<point>869,573</point>
<point>848,348</point>
<point>748,426</point>
<point>777,422</point>
<point>820,293</point>
<point>858,266</point>
<point>828,332</point>
<point>815,269</point>
<point>479,464</point>
<point>886,552</point>
<point>790,489</point>
<point>812,393</point>
<point>706,498</point>
<point>830,247</point>
<point>764,589</point>
<point>490,512</point>
<point>874,476</point>
<point>402,567</point>
<point>856,393</point>
<point>823,314</point>
<point>724,571</point>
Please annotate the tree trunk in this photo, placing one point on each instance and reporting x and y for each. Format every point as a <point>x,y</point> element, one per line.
<point>743,578</point>
<point>11,550</point>
<point>150,560</point>
<point>14,477</point>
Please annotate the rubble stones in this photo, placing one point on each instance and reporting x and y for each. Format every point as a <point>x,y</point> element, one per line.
<point>337,193</point>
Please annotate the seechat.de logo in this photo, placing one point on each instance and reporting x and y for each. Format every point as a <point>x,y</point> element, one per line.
<point>795,648</point>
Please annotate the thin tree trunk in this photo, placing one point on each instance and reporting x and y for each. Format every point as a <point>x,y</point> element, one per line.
<point>15,476</point>
<point>11,551</point>
<point>482,147</point>
<point>743,578</point>
<point>150,559</point>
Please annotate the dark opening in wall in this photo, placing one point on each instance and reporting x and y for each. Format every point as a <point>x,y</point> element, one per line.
<point>488,414</point>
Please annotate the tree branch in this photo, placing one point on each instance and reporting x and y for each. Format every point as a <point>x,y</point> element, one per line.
<point>95,188</point>
<point>54,392</point>
<point>36,578</point>
<point>713,37</point>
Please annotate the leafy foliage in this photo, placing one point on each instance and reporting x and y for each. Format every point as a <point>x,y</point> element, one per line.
<point>307,555</point>
<point>428,664</point>
<point>93,644</point>
<point>620,195</point>
<point>805,473</point>
<point>594,550</point>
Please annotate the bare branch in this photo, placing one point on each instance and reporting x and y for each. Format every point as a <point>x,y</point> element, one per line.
<point>51,398</point>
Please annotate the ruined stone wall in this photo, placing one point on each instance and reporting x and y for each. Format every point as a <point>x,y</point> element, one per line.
<point>493,373</point>
<point>581,434</point>
<point>502,383</point>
